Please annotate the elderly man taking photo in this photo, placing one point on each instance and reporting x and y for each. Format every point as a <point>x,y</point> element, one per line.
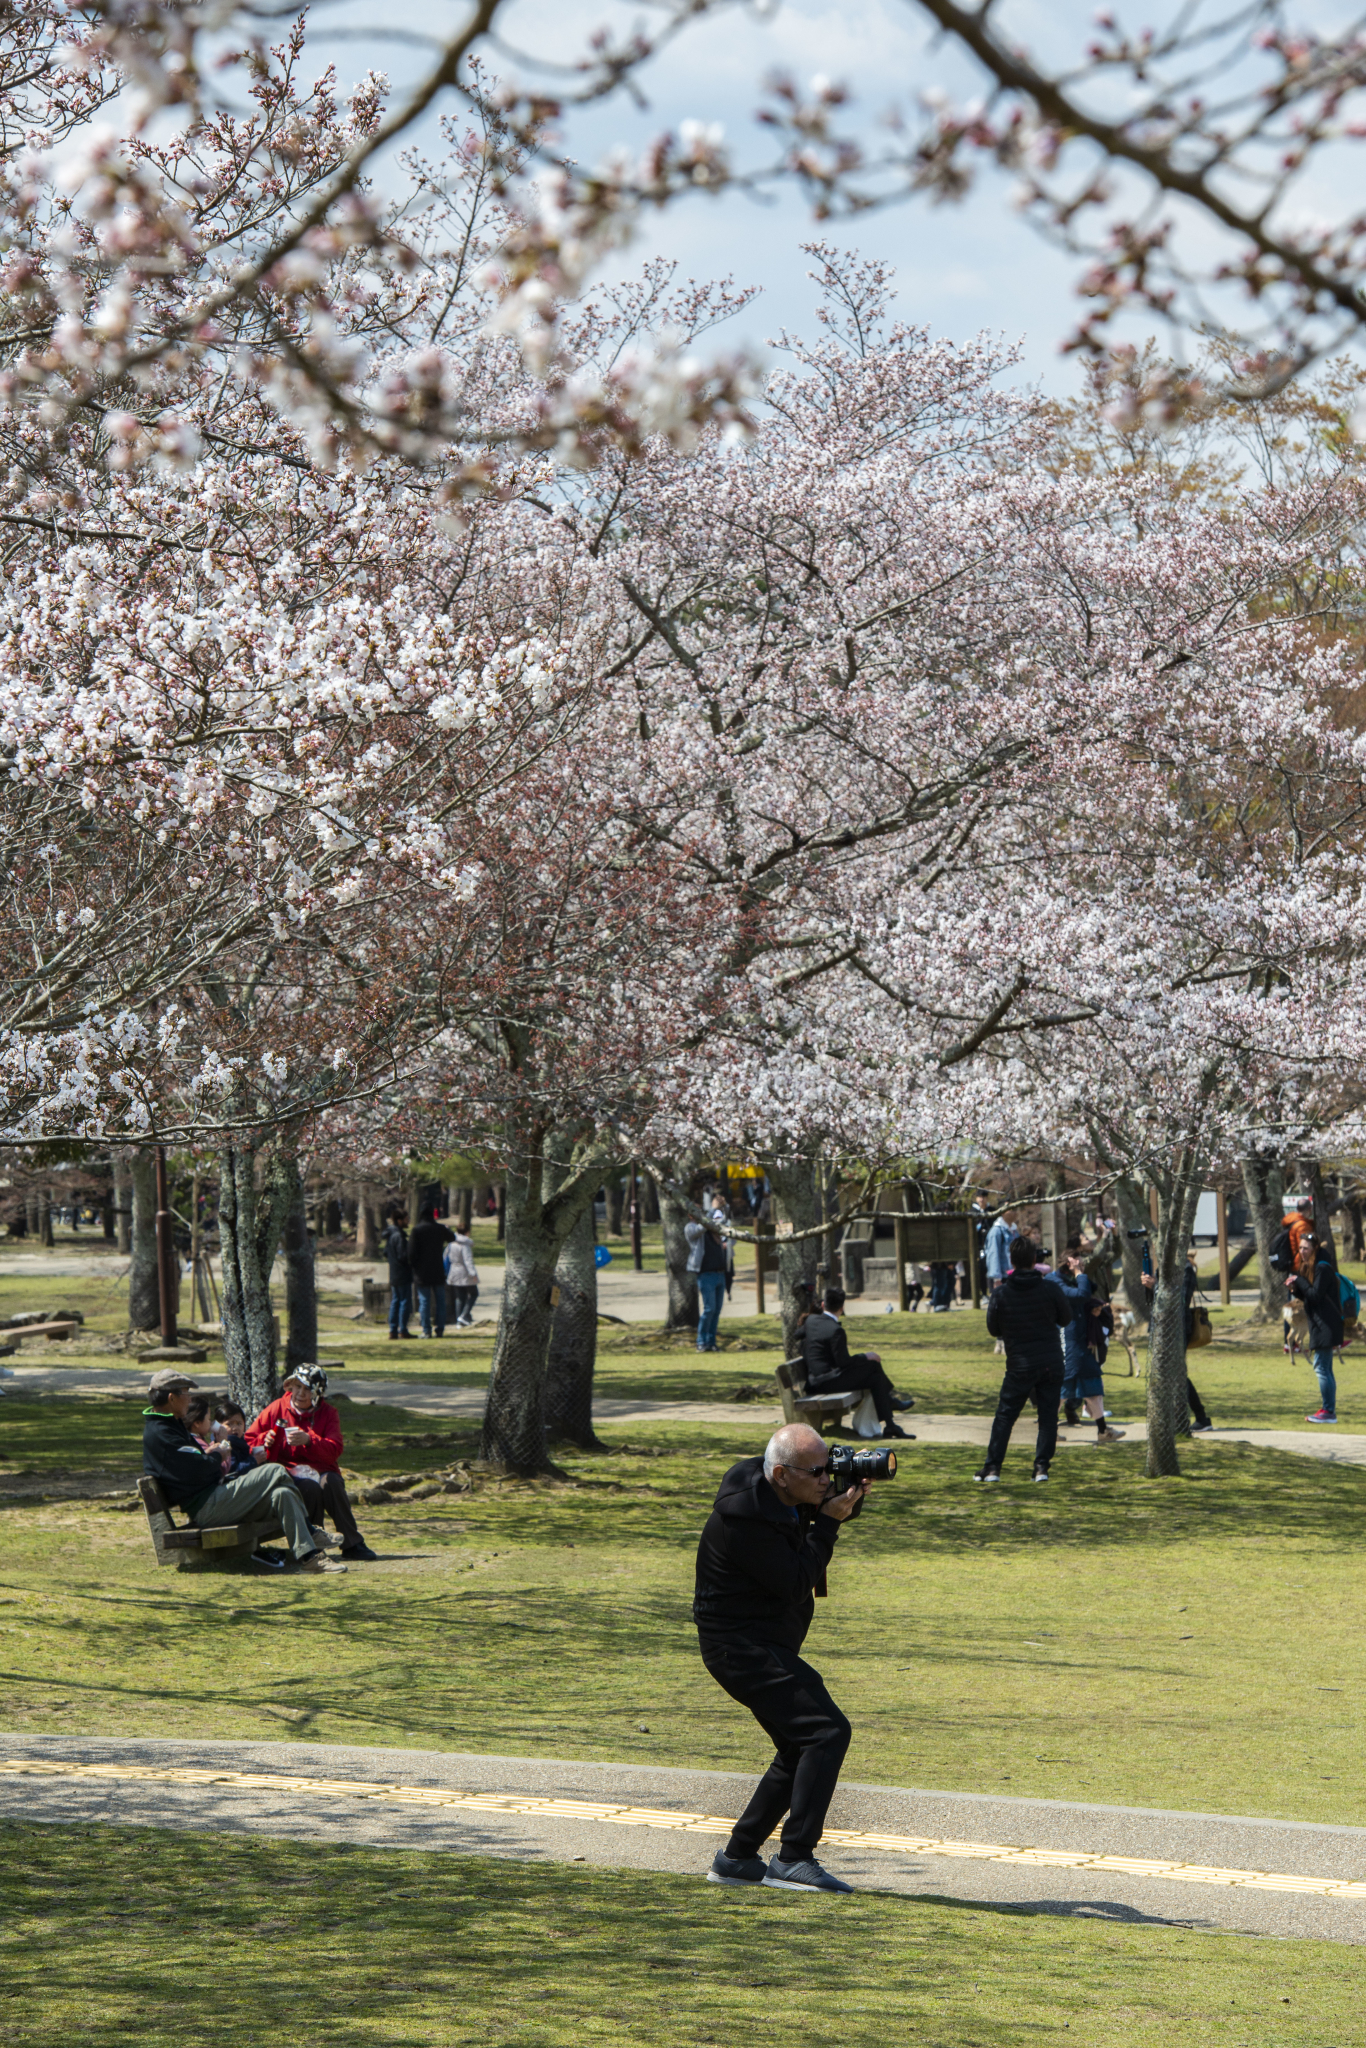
<point>763,1553</point>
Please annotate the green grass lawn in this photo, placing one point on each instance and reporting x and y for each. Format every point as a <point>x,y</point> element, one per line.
<point>1192,1643</point>
<point>947,1362</point>
<point>114,1935</point>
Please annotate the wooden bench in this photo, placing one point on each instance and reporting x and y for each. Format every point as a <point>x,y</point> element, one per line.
<point>185,1546</point>
<point>822,1411</point>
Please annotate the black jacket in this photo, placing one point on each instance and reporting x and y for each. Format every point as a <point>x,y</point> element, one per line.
<point>758,1562</point>
<point>425,1246</point>
<point>396,1251</point>
<point>825,1347</point>
<point>1028,1312</point>
<point>172,1454</point>
<point>1322,1305</point>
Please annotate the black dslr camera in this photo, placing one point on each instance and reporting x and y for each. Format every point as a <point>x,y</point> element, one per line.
<point>848,1466</point>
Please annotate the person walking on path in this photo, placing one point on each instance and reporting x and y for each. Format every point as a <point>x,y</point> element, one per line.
<point>1316,1285</point>
<point>462,1277</point>
<point>707,1261</point>
<point>1081,1380</point>
<point>1029,1314</point>
<point>762,1555</point>
<point>426,1251</point>
<point>400,1277</point>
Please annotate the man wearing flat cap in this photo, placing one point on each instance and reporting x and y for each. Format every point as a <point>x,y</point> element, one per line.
<point>192,1478</point>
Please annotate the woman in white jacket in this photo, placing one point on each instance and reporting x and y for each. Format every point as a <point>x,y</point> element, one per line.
<point>462,1277</point>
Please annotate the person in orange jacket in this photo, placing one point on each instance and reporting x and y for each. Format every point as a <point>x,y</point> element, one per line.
<point>1300,1224</point>
<point>302,1432</point>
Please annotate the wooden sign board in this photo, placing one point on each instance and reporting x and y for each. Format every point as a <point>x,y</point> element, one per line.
<point>936,1237</point>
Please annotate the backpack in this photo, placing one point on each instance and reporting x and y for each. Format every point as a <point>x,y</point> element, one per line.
<point>1351,1300</point>
<point>1280,1257</point>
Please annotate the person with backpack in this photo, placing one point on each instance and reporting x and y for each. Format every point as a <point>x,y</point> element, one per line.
<point>1315,1283</point>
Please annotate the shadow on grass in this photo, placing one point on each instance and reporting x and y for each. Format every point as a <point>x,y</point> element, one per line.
<point>118,1934</point>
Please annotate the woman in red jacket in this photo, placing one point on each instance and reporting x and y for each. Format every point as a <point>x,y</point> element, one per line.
<point>302,1432</point>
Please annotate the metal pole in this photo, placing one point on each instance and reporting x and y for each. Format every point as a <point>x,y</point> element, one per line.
<point>637,1255</point>
<point>1221,1225</point>
<point>973,1276</point>
<point>901,1231</point>
<point>166,1276</point>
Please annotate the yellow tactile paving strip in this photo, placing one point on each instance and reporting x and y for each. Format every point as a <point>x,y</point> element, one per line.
<point>679,1822</point>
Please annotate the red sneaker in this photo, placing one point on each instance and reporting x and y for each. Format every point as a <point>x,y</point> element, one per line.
<point>1321,1415</point>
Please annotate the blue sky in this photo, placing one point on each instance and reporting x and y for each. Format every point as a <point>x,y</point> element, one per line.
<point>961,269</point>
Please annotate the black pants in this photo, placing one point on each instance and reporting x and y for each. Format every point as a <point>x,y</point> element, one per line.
<point>330,1494</point>
<point>1039,1383</point>
<point>809,1733</point>
<point>861,1372</point>
<point>1196,1405</point>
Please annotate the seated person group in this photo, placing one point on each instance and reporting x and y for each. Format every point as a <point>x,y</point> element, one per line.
<point>220,1469</point>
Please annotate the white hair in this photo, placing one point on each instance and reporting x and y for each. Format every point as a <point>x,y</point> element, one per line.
<point>785,1443</point>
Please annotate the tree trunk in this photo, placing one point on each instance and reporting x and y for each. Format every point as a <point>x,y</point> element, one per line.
<point>799,1207</point>
<point>45,1218</point>
<point>144,1296</point>
<point>574,1340</point>
<point>1178,1193</point>
<point>107,1213</point>
<point>651,1210</point>
<point>1312,1174</point>
<point>616,1204</point>
<point>1264,1181</point>
<point>536,1229</point>
<point>332,1217</point>
<point>32,1214</point>
<point>301,1280</point>
<point>248,1232</point>
<point>367,1231</point>
<point>123,1216</point>
<point>684,1307</point>
<point>1133,1215</point>
<point>1358,1241</point>
<point>466,1209</point>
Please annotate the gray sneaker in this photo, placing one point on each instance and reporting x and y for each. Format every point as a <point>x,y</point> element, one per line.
<point>806,1876</point>
<point>319,1562</point>
<point>736,1869</point>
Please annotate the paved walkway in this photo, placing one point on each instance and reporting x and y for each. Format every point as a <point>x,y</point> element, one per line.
<point>1134,1864</point>
<point>754,1418</point>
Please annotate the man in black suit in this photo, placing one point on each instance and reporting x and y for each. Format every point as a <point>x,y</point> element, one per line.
<point>829,1364</point>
